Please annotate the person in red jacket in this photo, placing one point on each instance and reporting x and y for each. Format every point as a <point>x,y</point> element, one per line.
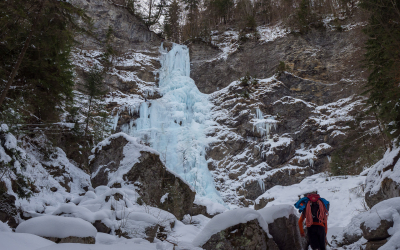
<point>316,216</point>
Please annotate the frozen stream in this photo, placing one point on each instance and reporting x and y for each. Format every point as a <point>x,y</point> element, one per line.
<point>175,125</point>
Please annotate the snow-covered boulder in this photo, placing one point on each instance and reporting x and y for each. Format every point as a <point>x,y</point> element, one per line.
<point>242,228</point>
<point>380,225</point>
<point>60,229</point>
<point>120,161</point>
<point>379,233</point>
<point>206,207</point>
<point>383,180</point>
<point>283,226</point>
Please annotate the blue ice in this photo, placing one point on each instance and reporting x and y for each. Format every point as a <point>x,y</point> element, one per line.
<point>175,125</point>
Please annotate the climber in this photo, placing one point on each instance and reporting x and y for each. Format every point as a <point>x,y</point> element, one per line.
<point>314,210</point>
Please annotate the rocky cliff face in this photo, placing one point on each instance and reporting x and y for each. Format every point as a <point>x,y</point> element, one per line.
<point>307,112</point>
<point>129,32</point>
<point>323,56</point>
<point>134,64</point>
<point>304,122</point>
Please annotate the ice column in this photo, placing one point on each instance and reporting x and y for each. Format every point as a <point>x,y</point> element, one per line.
<point>175,124</point>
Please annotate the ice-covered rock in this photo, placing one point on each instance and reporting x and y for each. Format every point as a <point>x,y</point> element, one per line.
<point>60,229</point>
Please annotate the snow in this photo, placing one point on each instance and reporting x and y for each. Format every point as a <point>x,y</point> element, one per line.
<point>228,219</point>
<point>388,210</point>
<point>212,207</point>
<point>270,33</point>
<point>277,211</point>
<point>164,197</point>
<point>4,227</point>
<point>22,241</point>
<point>385,210</point>
<point>56,226</point>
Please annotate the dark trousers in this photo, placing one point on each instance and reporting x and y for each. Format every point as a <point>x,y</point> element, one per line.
<point>316,237</point>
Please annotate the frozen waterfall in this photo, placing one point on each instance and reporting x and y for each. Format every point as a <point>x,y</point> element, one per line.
<point>175,124</point>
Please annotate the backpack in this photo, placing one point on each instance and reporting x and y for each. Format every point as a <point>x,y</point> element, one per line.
<point>302,203</point>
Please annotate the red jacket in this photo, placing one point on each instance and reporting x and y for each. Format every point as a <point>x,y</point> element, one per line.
<point>302,217</point>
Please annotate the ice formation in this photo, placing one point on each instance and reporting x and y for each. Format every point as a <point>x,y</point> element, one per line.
<point>175,124</point>
<point>263,125</point>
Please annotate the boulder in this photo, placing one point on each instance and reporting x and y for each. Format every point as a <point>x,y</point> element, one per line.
<point>122,158</point>
<point>241,228</point>
<point>379,233</point>
<point>283,226</point>
<point>286,234</point>
<point>262,202</point>
<point>60,229</point>
<point>241,236</point>
<point>73,239</point>
<point>375,245</point>
<point>388,189</point>
<point>101,227</point>
<point>350,238</point>
<point>151,232</point>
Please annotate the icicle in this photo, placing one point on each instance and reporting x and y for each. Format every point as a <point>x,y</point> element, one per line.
<point>261,184</point>
<point>263,125</point>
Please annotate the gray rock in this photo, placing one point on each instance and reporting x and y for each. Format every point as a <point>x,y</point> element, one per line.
<point>380,233</point>
<point>262,203</point>
<point>73,239</point>
<point>200,209</point>
<point>151,233</point>
<point>286,234</point>
<point>101,227</point>
<point>241,236</point>
<point>150,176</point>
<point>350,239</point>
<point>375,245</point>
